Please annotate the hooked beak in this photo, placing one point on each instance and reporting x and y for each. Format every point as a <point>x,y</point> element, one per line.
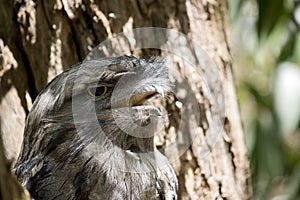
<point>141,96</point>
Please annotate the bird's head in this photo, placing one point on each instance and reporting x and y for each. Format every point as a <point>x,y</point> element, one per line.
<point>103,101</point>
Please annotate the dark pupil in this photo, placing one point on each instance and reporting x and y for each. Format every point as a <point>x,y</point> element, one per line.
<point>97,91</point>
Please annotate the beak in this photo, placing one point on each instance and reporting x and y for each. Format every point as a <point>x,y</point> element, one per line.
<point>159,90</point>
<point>140,97</point>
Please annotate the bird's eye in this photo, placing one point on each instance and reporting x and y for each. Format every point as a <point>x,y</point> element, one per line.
<point>97,91</point>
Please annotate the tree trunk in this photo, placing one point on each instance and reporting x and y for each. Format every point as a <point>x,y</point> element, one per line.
<point>39,39</point>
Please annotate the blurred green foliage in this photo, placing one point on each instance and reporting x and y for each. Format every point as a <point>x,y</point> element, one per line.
<point>266,47</point>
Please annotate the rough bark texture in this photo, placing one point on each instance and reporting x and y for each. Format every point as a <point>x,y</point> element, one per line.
<point>10,186</point>
<point>39,39</point>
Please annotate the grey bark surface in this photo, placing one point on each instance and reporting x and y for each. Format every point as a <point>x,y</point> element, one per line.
<point>39,39</point>
<point>10,186</point>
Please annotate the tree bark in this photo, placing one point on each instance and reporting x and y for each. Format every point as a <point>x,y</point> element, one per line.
<point>40,39</point>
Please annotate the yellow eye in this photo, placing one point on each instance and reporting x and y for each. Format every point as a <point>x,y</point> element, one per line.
<point>97,91</point>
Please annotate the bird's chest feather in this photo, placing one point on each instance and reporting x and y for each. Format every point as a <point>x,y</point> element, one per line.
<point>107,176</point>
<point>127,176</point>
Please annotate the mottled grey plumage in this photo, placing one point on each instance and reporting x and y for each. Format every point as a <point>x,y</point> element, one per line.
<point>80,147</point>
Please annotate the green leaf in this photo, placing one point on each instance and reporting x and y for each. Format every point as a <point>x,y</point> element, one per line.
<point>288,49</point>
<point>294,187</point>
<point>234,8</point>
<point>269,13</point>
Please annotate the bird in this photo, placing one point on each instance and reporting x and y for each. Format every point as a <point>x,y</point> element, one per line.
<point>90,133</point>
